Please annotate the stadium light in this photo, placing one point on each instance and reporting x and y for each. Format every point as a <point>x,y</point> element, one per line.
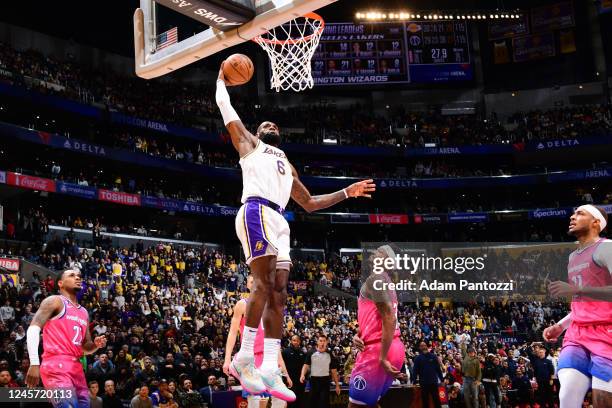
<point>438,15</point>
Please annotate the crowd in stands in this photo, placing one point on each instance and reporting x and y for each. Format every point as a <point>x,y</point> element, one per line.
<point>355,125</point>
<point>165,311</point>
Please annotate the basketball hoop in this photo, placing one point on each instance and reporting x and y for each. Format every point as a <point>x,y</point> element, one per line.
<point>290,48</point>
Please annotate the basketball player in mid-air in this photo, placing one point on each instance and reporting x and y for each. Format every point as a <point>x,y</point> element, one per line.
<point>66,338</point>
<point>269,180</point>
<point>236,328</point>
<point>381,352</point>
<point>586,358</point>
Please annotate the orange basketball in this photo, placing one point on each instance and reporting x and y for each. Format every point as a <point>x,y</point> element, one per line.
<point>238,69</point>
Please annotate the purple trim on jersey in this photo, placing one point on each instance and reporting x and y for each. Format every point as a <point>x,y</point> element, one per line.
<point>258,244</point>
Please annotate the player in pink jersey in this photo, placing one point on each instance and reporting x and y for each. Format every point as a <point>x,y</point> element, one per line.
<point>236,328</point>
<point>66,338</point>
<point>382,352</point>
<point>586,358</point>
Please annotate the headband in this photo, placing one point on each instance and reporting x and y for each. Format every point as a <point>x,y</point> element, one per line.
<point>591,209</point>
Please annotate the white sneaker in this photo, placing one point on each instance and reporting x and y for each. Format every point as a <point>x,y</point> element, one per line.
<point>276,387</point>
<point>248,375</point>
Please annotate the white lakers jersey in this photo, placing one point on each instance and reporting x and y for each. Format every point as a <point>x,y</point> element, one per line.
<point>266,173</point>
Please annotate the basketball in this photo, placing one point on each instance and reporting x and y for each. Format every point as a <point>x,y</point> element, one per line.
<point>238,69</point>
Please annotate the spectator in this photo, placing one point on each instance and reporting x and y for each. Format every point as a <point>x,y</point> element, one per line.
<point>103,369</point>
<point>110,398</point>
<point>94,400</point>
<point>6,380</point>
<point>427,370</point>
<point>188,398</point>
<point>544,372</point>
<point>471,378</point>
<point>207,392</point>
<point>142,399</point>
<point>490,378</point>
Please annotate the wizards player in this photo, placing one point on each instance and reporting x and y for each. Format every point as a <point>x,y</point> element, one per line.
<point>66,338</point>
<point>586,358</point>
<point>382,352</point>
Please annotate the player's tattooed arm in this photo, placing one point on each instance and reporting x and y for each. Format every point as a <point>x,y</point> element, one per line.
<point>310,203</point>
<point>48,308</point>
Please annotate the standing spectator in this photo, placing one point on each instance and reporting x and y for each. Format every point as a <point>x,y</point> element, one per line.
<point>110,398</point>
<point>7,312</point>
<point>429,374</point>
<point>544,371</point>
<point>471,378</point>
<point>142,399</point>
<point>323,367</point>
<point>294,360</point>
<point>490,378</point>
<point>94,400</point>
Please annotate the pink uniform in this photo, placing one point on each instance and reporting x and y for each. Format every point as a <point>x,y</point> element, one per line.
<point>63,337</point>
<point>369,381</point>
<point>587,345</point>
<point>258,347</point>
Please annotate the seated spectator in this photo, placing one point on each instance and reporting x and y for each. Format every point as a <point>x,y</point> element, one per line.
<point>142,399</point>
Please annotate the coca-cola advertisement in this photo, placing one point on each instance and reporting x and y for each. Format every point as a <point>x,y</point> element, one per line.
<point>119,197</point>
<point>388,219</point>
<point>30,182</point>
<point>9,264</point>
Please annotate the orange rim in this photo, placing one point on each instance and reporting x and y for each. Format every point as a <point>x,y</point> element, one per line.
<point>312,16</point>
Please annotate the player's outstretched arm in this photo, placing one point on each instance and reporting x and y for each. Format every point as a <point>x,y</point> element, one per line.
<point>239,309</point>
<point>244,142</point>
<point>49,307</point>
<point>301,195</point>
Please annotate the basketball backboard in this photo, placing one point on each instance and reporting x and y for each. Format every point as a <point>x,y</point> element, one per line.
<point>225,31</point>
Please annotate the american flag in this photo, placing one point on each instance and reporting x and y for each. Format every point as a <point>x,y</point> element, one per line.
<point>167,38</point>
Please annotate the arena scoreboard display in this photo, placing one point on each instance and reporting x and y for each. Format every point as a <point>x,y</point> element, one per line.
<point>402,52</point>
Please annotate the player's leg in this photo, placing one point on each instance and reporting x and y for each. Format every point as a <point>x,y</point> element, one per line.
<point>601,370</point>
<point>54,373</point>
<point>243,365</point>
<point>275,308</point>
<point>574,375</point>
<point>261,258</point>
<point>80,385</point>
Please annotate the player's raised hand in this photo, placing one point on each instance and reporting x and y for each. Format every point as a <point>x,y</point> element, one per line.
<point>562,289</point>
<point>358,343</point>
<point>552,333</point>
<point>389,368</point>
<point>362,188</point>
<point>100,342</point>
<point>221,74</point>
<point>33,376</point>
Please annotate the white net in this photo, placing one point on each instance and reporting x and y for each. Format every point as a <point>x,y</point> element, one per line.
<point>290,48</point>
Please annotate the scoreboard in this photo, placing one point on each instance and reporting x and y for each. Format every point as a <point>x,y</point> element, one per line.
<point>374,53</point>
